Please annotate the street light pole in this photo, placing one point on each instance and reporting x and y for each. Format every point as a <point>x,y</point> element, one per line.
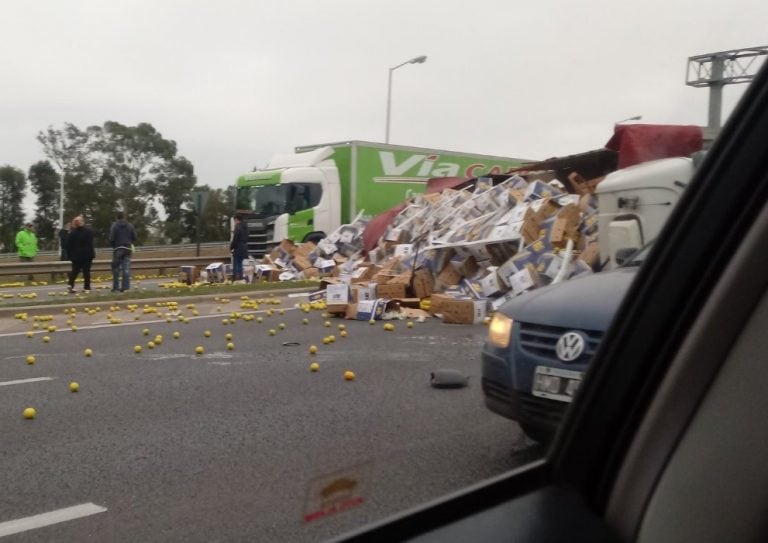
<point>61,210</point>
<point>415,60</point>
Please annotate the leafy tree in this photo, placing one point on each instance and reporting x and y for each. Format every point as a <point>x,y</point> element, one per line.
<point>44,183</point>
<point>12,185</point>
<point>175,183</point>
<point>131,168</point>
<point>215,224</point>
<point>71,150</point>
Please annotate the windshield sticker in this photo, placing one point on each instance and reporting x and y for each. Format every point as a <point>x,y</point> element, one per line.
<point>336,492</point>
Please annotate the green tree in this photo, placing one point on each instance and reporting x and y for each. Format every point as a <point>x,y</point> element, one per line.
<point>44,183</point>
<point>71,150</point>
<point>175,183</point>
<point>12,185</point>
<point>131,168</point>
<point>216,216</point>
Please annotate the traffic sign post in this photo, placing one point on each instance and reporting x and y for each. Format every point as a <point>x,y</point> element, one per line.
<point>200,198</point>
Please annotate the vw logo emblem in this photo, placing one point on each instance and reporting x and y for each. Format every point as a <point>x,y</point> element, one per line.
<point>570,346</point>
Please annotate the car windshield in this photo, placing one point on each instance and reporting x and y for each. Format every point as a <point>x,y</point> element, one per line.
<point>407,301</point>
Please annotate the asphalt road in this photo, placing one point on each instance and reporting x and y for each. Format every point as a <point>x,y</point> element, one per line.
<point>240,445</point>
<point>58,290</point>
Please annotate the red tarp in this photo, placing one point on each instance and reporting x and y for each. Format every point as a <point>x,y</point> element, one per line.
<point>638,143</point>
<point>376,227</point>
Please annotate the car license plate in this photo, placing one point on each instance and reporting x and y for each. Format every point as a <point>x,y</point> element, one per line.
<point>556,384</point>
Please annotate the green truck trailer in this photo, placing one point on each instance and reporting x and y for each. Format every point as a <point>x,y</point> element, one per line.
<point>307,194</point>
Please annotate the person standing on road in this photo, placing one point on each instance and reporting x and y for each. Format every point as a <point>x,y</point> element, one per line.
<point>238,247</point>
<point>122,236</point>
<point>26,245</point>
<point>81,252</point>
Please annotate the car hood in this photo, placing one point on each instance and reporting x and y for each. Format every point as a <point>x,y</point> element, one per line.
<point>587,302</point>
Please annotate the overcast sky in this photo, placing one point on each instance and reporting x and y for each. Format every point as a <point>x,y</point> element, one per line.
<point>234,81</point>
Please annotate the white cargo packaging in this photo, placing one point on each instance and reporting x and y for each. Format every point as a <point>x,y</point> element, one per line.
<point>366,293</point>
<point>491,284</point>
<point>337,294</point>
<point>522,281</point>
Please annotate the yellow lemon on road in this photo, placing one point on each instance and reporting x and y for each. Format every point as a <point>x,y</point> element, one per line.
<point>281,326</point>
<point>145,331</point>
<point>46,339</point>
<point>343,333</point>
<point>150,344</point>
<point>30,334</point>
<point>230,346</point>
<point>176,335</point>
<point>30,413</point>
<point>88,352</point>
<point>410,324</point>
<point>207,333</point>
<point>30,359</point>
<point>272,332</point>
<point>74,387</point>
<point>199,350</point>
<point>314,366</point>
<point>304,321</point>
<point>312,349</point>
<point>349,375</point>
<point>137,349</point>
<point>228,337</point>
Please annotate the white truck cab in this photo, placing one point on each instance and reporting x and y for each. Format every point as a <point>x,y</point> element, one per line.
<point>635,202</point>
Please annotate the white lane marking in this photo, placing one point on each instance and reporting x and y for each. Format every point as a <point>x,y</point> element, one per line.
<point>46,519</point>
<point>144,323</point>
<point>22,381</point>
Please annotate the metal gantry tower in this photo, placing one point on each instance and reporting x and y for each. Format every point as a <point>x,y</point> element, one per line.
<point>716,70</point>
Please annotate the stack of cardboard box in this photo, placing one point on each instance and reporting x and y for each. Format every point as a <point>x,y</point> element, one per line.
<point>468,250</point>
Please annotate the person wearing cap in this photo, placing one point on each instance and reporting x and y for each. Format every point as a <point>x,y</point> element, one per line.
<point>26,245</point>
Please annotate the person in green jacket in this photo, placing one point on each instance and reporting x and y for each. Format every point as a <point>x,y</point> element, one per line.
<point>26,245</point>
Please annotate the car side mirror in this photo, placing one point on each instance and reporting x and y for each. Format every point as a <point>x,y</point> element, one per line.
<point>624,254</point>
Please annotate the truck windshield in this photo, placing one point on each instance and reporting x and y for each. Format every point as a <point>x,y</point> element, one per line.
<point>278,199</point>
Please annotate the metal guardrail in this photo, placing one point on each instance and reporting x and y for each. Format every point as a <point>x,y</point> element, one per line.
<point>142,249</point>
<point>59,267</point>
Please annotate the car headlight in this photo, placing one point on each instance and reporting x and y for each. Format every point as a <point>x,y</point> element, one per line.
<point>500,330</point>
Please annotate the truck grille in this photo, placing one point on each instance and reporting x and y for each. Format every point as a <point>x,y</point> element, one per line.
<point>258,241</point>
<point>540,340</point>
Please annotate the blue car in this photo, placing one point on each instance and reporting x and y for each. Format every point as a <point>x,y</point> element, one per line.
<point>539,346</point>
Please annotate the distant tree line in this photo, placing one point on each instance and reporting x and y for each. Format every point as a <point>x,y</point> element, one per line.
<point>108,168</point>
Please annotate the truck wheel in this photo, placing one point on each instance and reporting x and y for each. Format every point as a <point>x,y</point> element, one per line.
<point>314,237</point>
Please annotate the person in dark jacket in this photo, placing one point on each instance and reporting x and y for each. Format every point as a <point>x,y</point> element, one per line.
<point>122,236</point>
<point>239,247</point>
<point>81,253</point>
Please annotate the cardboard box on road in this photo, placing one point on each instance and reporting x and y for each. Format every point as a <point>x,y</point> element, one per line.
<point>463,311</point>
<point>391,291</point>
